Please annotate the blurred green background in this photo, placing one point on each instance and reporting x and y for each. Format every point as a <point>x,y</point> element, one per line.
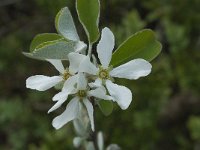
<point>165,112</point>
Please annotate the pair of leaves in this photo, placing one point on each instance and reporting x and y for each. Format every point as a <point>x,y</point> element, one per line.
<point>57,46</point>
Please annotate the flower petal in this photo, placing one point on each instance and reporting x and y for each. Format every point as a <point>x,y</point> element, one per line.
<point>80,46</point>
<point>75,60</point>
<point>62,99</point>
<point>60,96</point>
<point>70,83</point>
<point>90,111</point>
<point>57,64</point>
<point>88,67</point>
<point>132,70</point>
<point>105,47</point>
<point>96,83</point>
<point>69,114</point>
<point>42,83</point>
<point>100,93</point>
<point>82,82</point>
<point>121,94</point>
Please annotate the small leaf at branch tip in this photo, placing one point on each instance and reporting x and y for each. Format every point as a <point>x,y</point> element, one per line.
<point>65,25</point>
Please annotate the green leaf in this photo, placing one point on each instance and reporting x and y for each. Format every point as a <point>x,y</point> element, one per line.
<point>57,49</point>
<point>143,44</point>
<point>89,12</point>
<point>106,107</point>
<point>41,38</point>
<point>65,25</point>
<point>30,55</point>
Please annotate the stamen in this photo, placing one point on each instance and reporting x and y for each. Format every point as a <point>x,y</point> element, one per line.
<point>66,75</point>
<point>103,73</point>
<point>82,93</point>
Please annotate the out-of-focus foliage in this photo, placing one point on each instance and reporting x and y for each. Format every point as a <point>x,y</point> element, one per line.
<point>165,110</point>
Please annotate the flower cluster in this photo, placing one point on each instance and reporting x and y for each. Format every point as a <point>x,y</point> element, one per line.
<point>86,82</point>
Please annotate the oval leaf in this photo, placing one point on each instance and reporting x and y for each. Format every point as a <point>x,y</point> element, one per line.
<point>41,38</point>
<point>57,50</point>
<point>143,44</point>
<point>106,107</point>
<point>30,55</point>
<point>88,12</point>
<point>65,25</point>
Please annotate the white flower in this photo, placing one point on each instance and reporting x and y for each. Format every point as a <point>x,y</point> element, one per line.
<point>68,76</point>
<point>131,70</point>
<point>42,83</point>
<point>81,96</point>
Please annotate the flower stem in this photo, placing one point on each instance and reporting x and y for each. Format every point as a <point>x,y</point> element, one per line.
<point>94,134</point>
<point>90,50</point>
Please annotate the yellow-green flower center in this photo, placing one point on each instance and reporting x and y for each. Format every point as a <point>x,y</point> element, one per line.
<point>82,93</point>
<point>66,75</point>
<point>103,73</point>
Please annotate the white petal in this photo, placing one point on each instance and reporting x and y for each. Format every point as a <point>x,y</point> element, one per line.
<point>42,83</point>
<point>57,64</point>
<point>88,67</point>
<point>70,83</point>
<point>69,114</point>
<point>121,94</point>
<point>90,111</point>
<point>61,96</point>
<point>105,47</point>
<point>58,103</point>
<point>82,82</point>
<point>132,69</point>
<point>75,60</point>
<point>80,46</point>
<point>96,83</point>
<point>100,93</point>
<point>67,89</point>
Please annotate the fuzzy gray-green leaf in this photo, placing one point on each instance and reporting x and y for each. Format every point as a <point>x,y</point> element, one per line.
<point>57,50</point>
<point>65,25</point>
<point>41,38</point>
